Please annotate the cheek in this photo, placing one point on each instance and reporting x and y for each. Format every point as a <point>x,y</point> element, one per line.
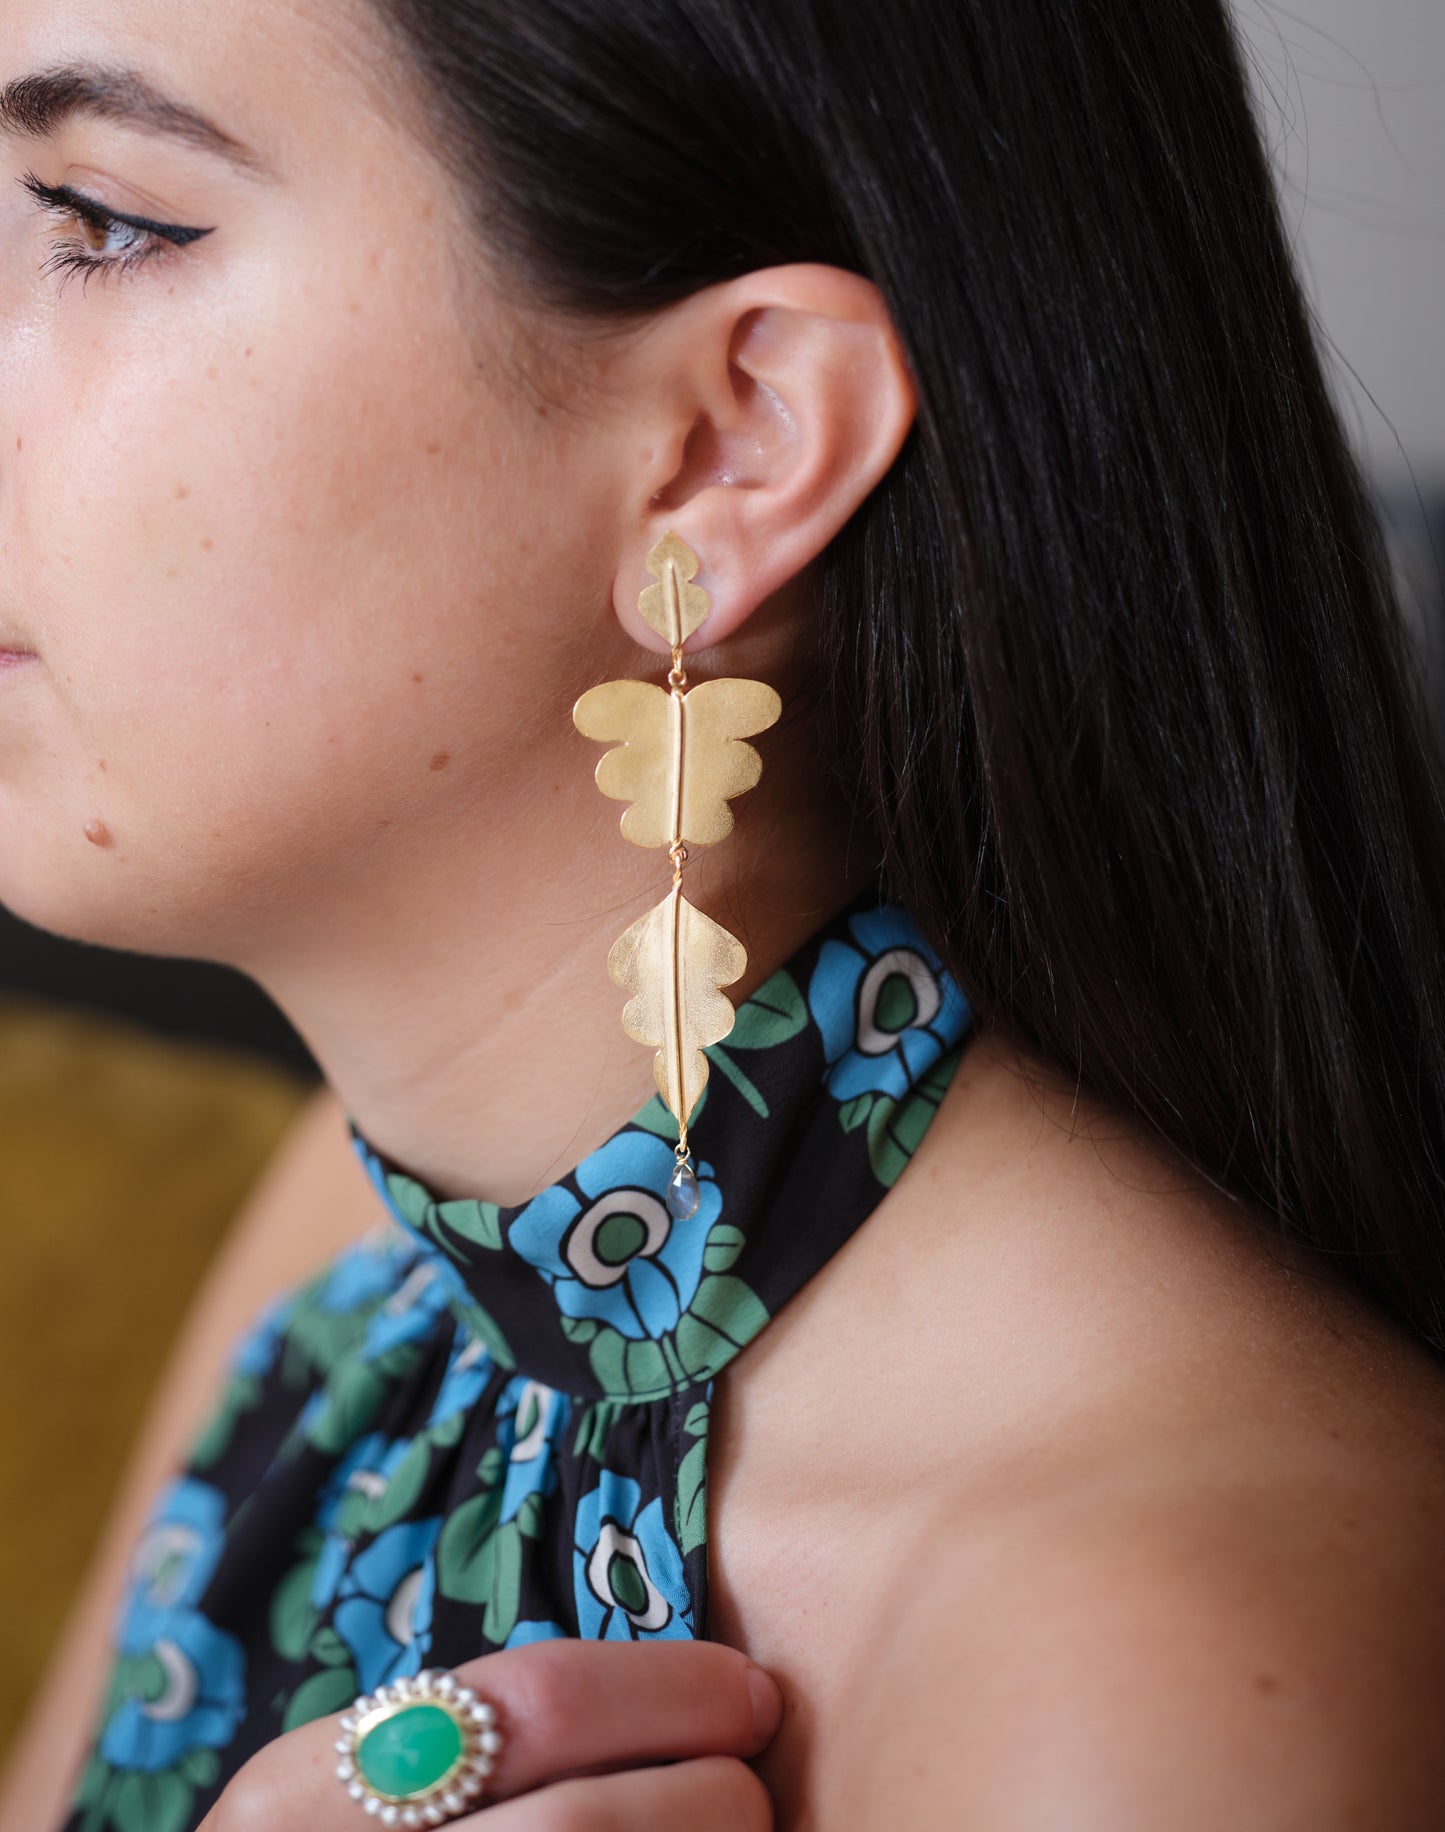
<point>274,579</point>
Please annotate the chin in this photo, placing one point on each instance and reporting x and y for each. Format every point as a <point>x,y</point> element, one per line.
<point>75,906</point>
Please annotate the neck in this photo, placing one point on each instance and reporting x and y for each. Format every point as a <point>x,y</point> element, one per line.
<point>468,1023</point>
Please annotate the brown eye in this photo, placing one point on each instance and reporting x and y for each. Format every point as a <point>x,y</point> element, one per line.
<point>94,235</point>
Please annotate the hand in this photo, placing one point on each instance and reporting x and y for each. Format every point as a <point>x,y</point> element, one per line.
<point>580,1722</point>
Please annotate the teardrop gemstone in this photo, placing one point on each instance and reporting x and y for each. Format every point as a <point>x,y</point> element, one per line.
<point>683,1194</point>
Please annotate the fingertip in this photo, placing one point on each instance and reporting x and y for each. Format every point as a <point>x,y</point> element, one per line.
<point>767,1701</point>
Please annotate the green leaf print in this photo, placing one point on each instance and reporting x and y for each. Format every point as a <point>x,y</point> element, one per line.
<point>696,1422</point>
<point>895,1128</point>
<point>657,1117</point>
<point>724,1244</point>
<point>292,1617</point>
<point>320,1695</point>
<point>351,1399</point>
<point>317,1339</point>
<point>448,1432</point>
<point>479,1560</point>
<point>725,1312</point>
<point>691,1504</point>
<point>593,1424</point>
<point>403,1487</point>
<point>329,1648</point>
<point>484,1326</point>
<point>531,1515</point>
<point>742,1082</point>
<point>200,1766</point>
<point>624,1365</point>
<point>350,1512</point>
<point>775,1012</point>
<point>152,1803</point>
<point>411,1198</point>
<point>854,1112</point>
<point>506,1590</point>
<point>464,1218</point>
<point>478,1222</point>
<point>242,1394</point>
<point>724,1315</point>
<point>467,1549</point>
<point>579,1329</point>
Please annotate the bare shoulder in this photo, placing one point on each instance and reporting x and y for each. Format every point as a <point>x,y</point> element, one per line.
<point>1201,1659</point>
<point>1183,1567</point>
<point>1064,1495</point>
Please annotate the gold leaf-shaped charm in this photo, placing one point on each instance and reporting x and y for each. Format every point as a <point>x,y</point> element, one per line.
<point>673,607</point>
<point>681,755</point>
<point>673,960</point>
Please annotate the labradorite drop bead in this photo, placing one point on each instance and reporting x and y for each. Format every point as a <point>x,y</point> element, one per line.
<point>683,1194</point>
<point>410,1751</point>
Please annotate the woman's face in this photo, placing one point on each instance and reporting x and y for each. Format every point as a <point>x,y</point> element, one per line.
<point>274,498</point>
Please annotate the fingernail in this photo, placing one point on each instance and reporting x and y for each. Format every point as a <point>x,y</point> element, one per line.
<point>767,1701</point>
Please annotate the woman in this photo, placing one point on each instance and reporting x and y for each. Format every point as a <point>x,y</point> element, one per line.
<point>357,358</point>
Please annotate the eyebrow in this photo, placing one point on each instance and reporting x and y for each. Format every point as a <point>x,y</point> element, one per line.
<point>39,105</point>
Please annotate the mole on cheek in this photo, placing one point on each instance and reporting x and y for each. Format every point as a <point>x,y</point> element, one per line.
<point>441,760</point>
<point>97,833</point>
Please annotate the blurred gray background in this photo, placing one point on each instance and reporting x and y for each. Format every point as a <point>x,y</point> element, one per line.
<point>1353,96</point>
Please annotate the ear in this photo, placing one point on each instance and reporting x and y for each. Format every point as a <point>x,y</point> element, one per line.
<point>771,406</point>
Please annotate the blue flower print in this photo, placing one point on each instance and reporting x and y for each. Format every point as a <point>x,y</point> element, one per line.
<point>409,1312</point>
<point>626,1570</point>
<point>257,1350</point>
<point>181,1680</point>
<point>468,1371</point>
<point>359,1275</point>
<point>886,1007</point>
<point>620,1259</point>
<point>184,1688</point>
<point>178,1548</point>
<point>365,1471</point>
<point>376,1611</point>
<point>530,1421</point>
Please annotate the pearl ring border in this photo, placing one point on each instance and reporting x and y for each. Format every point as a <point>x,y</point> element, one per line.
<point>459,1787</point>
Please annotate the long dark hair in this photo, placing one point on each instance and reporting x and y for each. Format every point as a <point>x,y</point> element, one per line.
<point>1110,660</point>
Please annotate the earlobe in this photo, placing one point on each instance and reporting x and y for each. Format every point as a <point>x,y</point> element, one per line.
<point>789,398</point>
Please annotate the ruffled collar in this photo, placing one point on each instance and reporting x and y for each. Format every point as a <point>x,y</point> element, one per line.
<point>814,1103</point>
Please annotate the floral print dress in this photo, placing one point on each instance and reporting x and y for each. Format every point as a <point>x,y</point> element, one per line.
<point>483,1426</point>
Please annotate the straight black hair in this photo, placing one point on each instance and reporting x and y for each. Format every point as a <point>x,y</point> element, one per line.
<point>1109,662</point>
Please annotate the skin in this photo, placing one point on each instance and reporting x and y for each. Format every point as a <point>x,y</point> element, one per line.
<point>317,540</point>
<point>316,533</point>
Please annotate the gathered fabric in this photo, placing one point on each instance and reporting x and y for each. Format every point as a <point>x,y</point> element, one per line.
<point>482,1425</point>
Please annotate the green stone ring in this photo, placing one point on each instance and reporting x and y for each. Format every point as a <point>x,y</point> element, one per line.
<point>417,1752</point>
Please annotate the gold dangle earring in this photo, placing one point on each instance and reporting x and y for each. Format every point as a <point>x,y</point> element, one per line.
<point>680,758</point>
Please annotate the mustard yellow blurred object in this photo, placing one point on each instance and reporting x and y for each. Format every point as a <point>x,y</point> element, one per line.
<point>123,1156</point>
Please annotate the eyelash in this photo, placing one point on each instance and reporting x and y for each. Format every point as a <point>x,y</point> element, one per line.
<point>69,256</point>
